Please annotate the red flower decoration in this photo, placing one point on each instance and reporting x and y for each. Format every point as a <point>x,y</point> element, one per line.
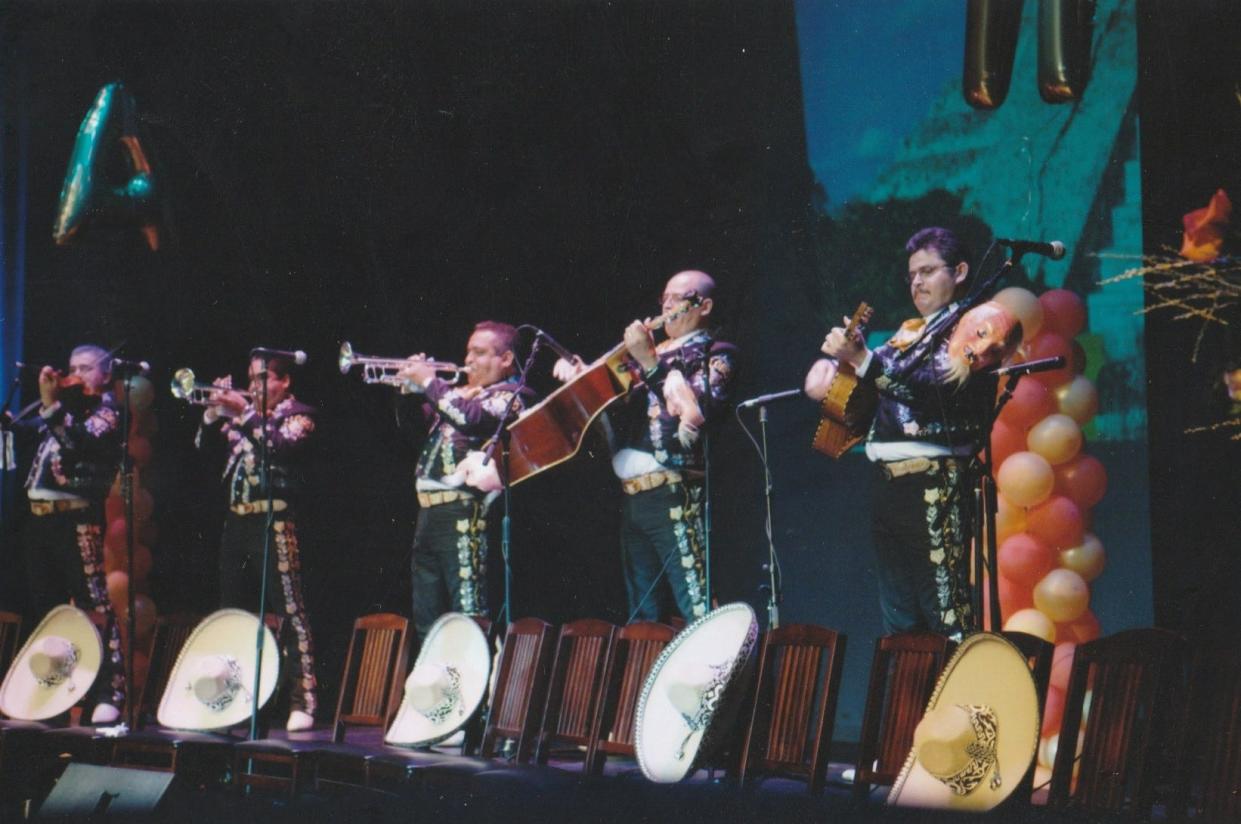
<point>1204,229</point>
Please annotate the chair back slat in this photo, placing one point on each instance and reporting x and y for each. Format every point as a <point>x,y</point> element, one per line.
<point>374,672</point>
<point>633,652</point>
<point>902,677</point>
<point>794,706</point>
<point>1136,680</point>
<point>1217,722</point>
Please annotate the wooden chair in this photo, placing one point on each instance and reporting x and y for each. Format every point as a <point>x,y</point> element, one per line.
<point>575,687</point>
<point>1040,655</point>
<point>1216,701</point>
<point>370,692</point>
<point>1136,679</point>
<point>794,709</point>
<point>515,710</point>
<point>902,677</point>
<point>167,639</point>
<point>633,654</point>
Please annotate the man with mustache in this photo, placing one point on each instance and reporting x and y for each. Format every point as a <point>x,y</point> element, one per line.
<point>925,429</point>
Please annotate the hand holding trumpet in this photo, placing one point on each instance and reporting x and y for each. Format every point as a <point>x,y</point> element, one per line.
<point>228,401</point>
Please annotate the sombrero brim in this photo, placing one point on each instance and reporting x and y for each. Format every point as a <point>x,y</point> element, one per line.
<point>454,640</point>
<point>230,633</point>
<point>24,698</point>
<point>667,749</point>
<point>986,669</point>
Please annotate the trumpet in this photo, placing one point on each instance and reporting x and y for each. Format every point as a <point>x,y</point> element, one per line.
<point>386,370</point>
<point>201,394</point>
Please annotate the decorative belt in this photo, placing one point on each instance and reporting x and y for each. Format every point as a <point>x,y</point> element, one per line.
<point>447,496</point>
<point>649,481</point>
<point>259,506</point>
<point>63,505</point>
<point>915,466</point>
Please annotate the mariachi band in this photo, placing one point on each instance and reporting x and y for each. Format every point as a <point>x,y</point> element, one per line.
<point>919,420</point>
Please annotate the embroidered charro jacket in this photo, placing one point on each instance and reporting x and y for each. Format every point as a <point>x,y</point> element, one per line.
<point>460,423</point>
<point>79,448</point>
<point>916,403</point>
<point>644,423</point>
<point>289,429</point>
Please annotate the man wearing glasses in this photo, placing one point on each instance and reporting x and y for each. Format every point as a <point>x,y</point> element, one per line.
<point>924,431</point>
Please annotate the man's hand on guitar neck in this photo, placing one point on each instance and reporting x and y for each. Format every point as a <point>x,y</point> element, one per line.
<point>566,370</point>
<point>848,348</point>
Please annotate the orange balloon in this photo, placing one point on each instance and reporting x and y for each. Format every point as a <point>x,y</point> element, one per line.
<point>1062,595</point>
<point>1057,522</point>
<point>1053,711</point>
<point>140,450</point>
<point>113,507</point>
<point>1082,630</point>
<point>1051,345</point>
<point>114,536</point>
<point>114,558</point>
<point>1083,480</point>
<point>1025,479</point>
<point>1064,313</point>
<point>1024,559</point>
<point>1005,440</point>
<point>1057,438</point>
<point>1033,622</point>
<point>118,593</point>
<point>1025,307</point>
<point>1078,399</point>
<point>1087,559</point>
<point>1062,664</point>
<point>1030,403</point>
<point>1009,519</point>
<point>1013,598</point>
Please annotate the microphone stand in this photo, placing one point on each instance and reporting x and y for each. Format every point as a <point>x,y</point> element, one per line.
<point>127,497</point>
<point>773,586</point>
<point>265,479</point>
<point>500,438</point>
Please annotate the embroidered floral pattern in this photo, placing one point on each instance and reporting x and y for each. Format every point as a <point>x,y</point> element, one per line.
<point>90,548</point>
<point>289,565</point>
<point>687,528</point>
<point>472,562</point>
<point>948,553</point>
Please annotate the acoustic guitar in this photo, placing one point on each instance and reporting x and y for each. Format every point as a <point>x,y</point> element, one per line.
<point>849,405</point>
<point>551,432</point>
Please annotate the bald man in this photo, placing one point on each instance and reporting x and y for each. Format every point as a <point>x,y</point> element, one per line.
<point>658,450</point>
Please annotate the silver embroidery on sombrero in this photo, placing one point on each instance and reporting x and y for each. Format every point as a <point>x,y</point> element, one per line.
<point>233,687</point>
<point>706,707</point>
<point>63,671</point>
<point>452,698</point>
<point>982,752</point>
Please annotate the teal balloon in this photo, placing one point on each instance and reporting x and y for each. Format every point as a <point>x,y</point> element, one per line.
<point>110,126</point>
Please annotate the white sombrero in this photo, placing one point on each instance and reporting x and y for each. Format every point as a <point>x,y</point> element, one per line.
<point>979,734</point>
<point>56,667</point>
<point>447,684</point>
<point>692,690</point>
<point>211,683</point>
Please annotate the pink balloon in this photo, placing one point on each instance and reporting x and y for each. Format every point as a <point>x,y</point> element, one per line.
<point>1030,403</point>
<point>1005,440</point>
<point>118,593</point>
<point>1083,480</point>
<point>1082,630</point>
<point>1062,595</point>
<point>1053,710</point>
<point>1013,598</point>
<point>1064,313</point>
<point>1062,664</point>
<point>113,507</point>
<point>140,450</point>
<point>1025,479</point>
<point>114,537</point>
<point>1057,438</point>
<point>1024,559</point>
<point>1051,345</point>
<point>1057,522</point>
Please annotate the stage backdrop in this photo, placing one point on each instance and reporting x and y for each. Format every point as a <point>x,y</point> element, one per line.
<point>893,147</point>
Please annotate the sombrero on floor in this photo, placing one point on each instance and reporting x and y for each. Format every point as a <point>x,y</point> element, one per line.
<point>692,690</point>
<point>979,734</point>
<point>446,685</point>
<point>55,668</point>
<point>211,682</point>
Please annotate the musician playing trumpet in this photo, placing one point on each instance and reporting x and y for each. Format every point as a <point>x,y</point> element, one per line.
<point>658,451</point>
<point>455,489</point>
<point>235,421</point>
<point>925,429</point>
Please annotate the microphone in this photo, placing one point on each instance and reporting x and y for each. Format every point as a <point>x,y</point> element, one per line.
<point>1054,249</point>
<point>768,398</point>
<point>138,367</point>
<point>554,344</point>
<point>1029,367</point>
<point>297,355</point>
